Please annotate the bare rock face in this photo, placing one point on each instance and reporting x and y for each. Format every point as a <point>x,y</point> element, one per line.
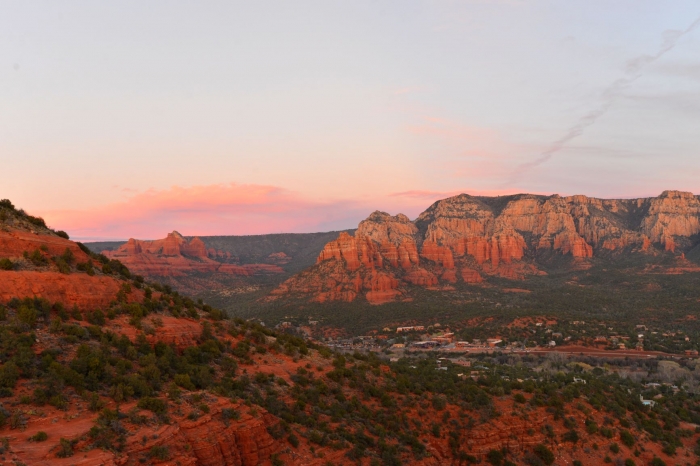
<point>171,244</point>
<point>381,228</point>
<point>466,238</point>
<point>195,248</point>
<point>673,214</point>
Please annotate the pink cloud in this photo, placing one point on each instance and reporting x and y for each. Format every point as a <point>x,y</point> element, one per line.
<point>224,209</point>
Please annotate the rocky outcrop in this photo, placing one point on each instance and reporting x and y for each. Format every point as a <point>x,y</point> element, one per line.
<point>466,238</point>
<point>76,289</point>
<point>14,243</point>
<point>175,256</point>
<point>208,441</point>
<point>87,292</point>
<point>194,248</point>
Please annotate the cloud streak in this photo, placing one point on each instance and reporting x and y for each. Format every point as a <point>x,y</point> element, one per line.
<point>633,70</point>
<point>222,209</point>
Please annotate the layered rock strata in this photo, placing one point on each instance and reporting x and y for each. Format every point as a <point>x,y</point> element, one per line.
<point>175,256</point>
<point>466,238</point>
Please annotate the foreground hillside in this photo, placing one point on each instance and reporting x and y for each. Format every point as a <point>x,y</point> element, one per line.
<point>143,375</point>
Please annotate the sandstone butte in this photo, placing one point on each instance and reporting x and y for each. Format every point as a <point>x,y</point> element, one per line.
<point>469,238</point>
<point>175,256</point>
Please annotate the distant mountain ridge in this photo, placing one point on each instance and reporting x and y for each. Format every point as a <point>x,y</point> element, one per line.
<point>467,239</point>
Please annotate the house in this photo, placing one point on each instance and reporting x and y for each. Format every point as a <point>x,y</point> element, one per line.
<point>398,345</point>
<point>552,343</point>
<point>426,344</point>
<point>462,344</point>
<point>462,362</point>
<point>442,340</point>
<point>403,329</point>
<point>419,328</point>
<point>650,403</point>
<point>492,342</point>
<point>691,352</point>
<point>579,380</point>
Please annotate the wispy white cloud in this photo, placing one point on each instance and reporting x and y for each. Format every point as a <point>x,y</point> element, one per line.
<point>633,70</point>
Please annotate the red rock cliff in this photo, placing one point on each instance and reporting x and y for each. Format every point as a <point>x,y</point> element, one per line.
<point>500,236</point>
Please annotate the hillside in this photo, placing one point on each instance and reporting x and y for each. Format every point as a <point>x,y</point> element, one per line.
<point>153,377</point>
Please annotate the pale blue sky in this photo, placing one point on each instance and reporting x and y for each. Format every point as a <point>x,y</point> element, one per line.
<point>338,104</point>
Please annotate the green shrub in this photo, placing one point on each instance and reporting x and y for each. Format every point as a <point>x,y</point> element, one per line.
<point>62,265</point>
<point>183,380</point>
<point>27,314</point>
<point>615,448</point>
<point>65,448</point>
<point>155,405</point>
<point>62,234</point>
<point>544,453</point>
<point>96,403</point>
<point>86,267</point>
<point>570,436</point>
<point>7,204</point>
<point>591,426</point>
<point>40,436</point>
<point>495,457</point>
<point>96,317</point>
<point>293,440</point>
<point>36,258</point>
<point>36,221</point>
<point>626,438</point>
<point>6,264</point>
<point>159,452</point>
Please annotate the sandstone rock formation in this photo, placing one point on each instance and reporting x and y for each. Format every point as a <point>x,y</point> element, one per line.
<point>175,256</point>
<point>465,238</point>
<point>73,289</point>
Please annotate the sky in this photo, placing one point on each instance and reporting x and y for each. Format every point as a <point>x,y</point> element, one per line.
<point>133,119</point>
